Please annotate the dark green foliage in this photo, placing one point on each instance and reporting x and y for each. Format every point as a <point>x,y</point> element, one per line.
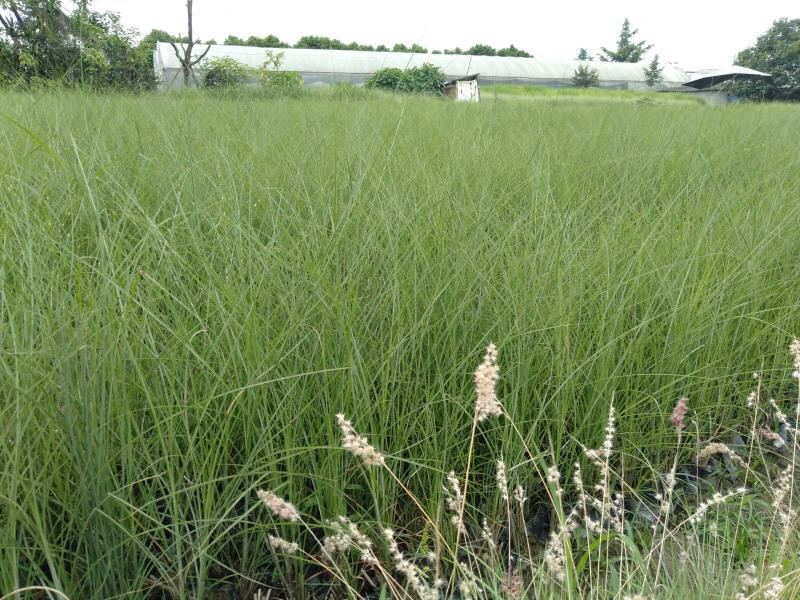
<point>583,54</point>
<point>390,78</point>
<point>415,48</point>
<point>482,50</point>
<point>270,41</point>
<point>326,43</point>
<point>585,76</point>
<point>225,73</point>
<point>653,73</point>
<point>319,43</point>
<point>777,52</point>
<point>627,50</point>
<point>455,50</point>
<point>513,51</point>
<point>40,41</point>
<point>425,79</point>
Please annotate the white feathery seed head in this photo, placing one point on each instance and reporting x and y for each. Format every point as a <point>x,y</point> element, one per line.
<point>486,376</point>
<point>279,507</point>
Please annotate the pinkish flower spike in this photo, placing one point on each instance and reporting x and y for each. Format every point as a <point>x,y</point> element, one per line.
<point>679,412</point>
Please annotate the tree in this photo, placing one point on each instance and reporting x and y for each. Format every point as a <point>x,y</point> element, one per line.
<point>40,41</point>
<point>513,51</point>
<point>415,48</point>
<point>776,52</point>
<point>585,76</point>
<point>270,41</point>
<point>455,50</point>
<point>36,39</point>
<point>185,55</point>
<point>627,50</point>
<point>482,50</point>
<point>320,43</point>
<point>653,73</point>
<point>583,54</point>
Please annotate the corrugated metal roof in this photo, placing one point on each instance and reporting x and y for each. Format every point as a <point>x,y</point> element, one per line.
<point>454,66</point>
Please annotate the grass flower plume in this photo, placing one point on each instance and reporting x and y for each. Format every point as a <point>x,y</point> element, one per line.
<point>487,404</point>
<point>279,507</point>
<point>357,445</point>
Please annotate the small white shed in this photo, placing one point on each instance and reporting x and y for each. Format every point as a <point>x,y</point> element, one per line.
<point>464,89</point>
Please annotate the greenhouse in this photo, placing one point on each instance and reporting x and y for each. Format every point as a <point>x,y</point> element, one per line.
<point>320,67</point>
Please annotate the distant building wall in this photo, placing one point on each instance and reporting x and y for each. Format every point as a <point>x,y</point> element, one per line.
<point>321,67</point>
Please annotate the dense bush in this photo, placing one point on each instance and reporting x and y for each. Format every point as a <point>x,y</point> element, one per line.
<point>42,41</point>
<point>390,78</point>
<point>228,73</point>
<point>585,76</point>
<point>425,79</point>
<point>225,73</point>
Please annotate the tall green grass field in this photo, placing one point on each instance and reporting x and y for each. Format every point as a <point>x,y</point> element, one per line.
<point>192,286</point>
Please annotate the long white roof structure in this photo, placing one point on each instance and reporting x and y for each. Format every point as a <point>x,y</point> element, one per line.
<point>329,66</point>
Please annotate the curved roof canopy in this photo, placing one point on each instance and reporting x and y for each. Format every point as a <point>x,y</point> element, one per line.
<point>358,64</point>
<point>710,77</point>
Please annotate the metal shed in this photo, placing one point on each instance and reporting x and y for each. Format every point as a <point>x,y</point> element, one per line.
<point>464,89</point>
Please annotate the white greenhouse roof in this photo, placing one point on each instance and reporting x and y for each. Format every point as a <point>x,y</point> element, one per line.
<point>359,63</point>
<point>705,78</point>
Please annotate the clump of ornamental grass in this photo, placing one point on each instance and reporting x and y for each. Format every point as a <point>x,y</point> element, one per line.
<point>593,527</point>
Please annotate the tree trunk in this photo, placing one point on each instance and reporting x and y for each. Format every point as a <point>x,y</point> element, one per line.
<point>185,57</point>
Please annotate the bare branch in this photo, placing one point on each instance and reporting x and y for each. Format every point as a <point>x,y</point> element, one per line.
<point>178,54</point>
<point>201,57</point>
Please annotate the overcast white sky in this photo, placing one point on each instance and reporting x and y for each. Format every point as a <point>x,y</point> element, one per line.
<point>696,34</point>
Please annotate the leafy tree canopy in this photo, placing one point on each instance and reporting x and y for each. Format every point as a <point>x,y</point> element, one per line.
<point>513,51</point>
<point>326,43</point>
<point>627,49</point>
<point>41,41</point>
<point>776,52</point>
<point>270,41</point>
<point>585,76</point>
<point>583,54</point>
<point>415,48</point>
<point>654,72</point>
<point>482,50</point>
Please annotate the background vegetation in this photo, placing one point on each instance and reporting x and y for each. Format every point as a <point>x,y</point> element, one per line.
<point>424,79</point>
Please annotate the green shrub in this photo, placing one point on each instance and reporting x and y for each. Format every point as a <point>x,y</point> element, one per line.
<point>270,75</point>
<point>425,79</point>
<point>390,78</point>
<point>225,73</point>
<point>585,76</point>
